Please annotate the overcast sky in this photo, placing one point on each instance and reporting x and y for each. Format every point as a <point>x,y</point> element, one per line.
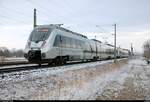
<point>131,16</point>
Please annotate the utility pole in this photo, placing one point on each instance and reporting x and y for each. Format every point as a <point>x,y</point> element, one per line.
<point>131,50</point>
<point>96,47</point>
<point>114,43</point>
<point>34,19</point>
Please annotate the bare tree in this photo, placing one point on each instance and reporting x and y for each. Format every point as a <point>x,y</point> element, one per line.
<point>16,53</point>
<point>146,47</point>
<point>3,53</point>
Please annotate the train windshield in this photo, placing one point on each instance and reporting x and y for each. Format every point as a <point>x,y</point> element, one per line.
<point>40,34</point>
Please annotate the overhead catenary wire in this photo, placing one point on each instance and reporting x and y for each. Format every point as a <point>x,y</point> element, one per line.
<point>10,19</point>
<point>65,5</point>
<point>44,9</point>
<point>39,10</point>
<point>107,33</point>
<point>14,11</point>
<point>60,5</point>
<point>101,34</point>
<point>10,14</point>
<point>19,13</point>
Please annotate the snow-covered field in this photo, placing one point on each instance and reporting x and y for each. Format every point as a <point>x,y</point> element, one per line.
<point>95,80</point>
<point>14,59</point>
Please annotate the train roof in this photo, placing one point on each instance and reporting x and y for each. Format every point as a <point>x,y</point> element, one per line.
<point>102,42</point>
<point>96,40</point>
<point>61,28</point>
<point>110,45</point>
<point>64,29</point>
<point>126,49</point>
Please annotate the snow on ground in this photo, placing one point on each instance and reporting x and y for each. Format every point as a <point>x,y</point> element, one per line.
<point>47,71</point>
<point>14,66</point>
<point>14,59</point>
<point>95,80</point>
<point>136,85</point>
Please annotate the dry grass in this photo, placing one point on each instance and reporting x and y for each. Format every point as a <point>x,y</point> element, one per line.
<point>65,84</point>
<point>134,87</point>
<point>129,92</point>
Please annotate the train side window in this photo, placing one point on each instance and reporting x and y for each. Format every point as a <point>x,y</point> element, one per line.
<point>88,47</point>
<point>77,44</point>
<point>74,43</point>
<point>68,42</point>
<point>91,47</point>
<point>71,42</point>
<point>63,43</point>
<point>57,41</point>
<point>113,51</point>
<point>81,44</point>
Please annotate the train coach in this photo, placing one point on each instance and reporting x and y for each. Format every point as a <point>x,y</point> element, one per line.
<point>55,44</point>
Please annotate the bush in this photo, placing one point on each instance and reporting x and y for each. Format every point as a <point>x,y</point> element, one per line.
<point>2,59</point>
<point>7,53</point>
<point>146,47</point>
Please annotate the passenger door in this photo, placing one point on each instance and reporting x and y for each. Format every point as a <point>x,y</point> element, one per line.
<point>87,51</point>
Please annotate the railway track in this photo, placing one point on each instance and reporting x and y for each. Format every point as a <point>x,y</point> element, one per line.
<point>19,67</point>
